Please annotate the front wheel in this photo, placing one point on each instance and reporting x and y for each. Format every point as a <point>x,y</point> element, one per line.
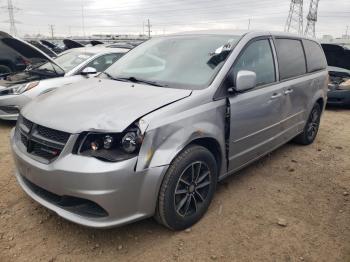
<point>187,189</point>
<point>309,134</point>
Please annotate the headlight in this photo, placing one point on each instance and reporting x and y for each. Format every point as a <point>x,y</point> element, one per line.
<point>345,85</point>
<point>111,147</point>
<point>19,89</point>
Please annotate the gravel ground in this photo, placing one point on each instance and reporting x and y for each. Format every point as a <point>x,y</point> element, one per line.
<point>292,205</point>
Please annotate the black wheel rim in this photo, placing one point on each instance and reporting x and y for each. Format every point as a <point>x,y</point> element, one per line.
<point>313,124</point>
<point>192,189</point>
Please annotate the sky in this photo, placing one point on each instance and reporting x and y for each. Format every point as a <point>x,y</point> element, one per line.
<point>131,16</point>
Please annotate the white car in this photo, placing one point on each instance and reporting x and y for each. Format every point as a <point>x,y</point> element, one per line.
<point>71,66</point>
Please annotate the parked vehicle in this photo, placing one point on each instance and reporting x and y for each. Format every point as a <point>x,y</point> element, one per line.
<point>154,134</point>
<point>70,67</point>
<point>53,46</point>
<point>43,48</point>
<point>12,60</point>
<point>338,59</point>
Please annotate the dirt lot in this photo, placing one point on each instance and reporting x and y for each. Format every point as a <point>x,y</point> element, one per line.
<point>305,186</point>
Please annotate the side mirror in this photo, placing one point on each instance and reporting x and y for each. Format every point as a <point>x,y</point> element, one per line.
<point>245,80</point>
<point>88,71</point>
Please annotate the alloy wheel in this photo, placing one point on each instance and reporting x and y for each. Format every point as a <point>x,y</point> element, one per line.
<point>192,189</point>
<point>313,124</point>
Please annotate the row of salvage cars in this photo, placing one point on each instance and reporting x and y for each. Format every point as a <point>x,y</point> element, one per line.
<point>42,71</point>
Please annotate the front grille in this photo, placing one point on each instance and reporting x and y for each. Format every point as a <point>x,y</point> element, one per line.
<point>52,134</point>
<point>75,205</point>
<point>40,141</point>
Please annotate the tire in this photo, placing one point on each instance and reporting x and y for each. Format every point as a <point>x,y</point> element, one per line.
<point>187,189</point>
<point>5,70</point>
<point>309,134</point>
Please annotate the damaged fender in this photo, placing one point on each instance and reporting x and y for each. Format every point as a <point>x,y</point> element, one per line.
<point>166,137</point>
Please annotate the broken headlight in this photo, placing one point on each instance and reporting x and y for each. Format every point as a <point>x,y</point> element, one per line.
<point>345,85</point>
<point>111,147</point>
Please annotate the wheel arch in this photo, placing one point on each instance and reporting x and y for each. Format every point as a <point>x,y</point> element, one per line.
<point>213,147</point>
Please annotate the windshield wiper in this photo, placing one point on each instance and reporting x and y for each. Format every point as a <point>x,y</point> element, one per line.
<point>135,80</point>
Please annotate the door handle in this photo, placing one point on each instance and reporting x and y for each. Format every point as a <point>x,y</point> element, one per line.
<point>288,91</point>
<point>276,95</point>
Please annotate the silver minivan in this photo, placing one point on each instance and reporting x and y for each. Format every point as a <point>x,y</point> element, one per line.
<point>154,134</point>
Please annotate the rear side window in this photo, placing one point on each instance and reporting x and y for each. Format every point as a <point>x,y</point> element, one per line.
<point>314,56</point>
<point>291,58</point>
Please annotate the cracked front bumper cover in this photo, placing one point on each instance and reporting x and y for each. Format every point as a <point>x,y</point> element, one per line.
<point>124,194</point>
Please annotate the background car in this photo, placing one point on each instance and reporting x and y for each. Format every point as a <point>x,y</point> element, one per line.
<point>338,60</point>
<point>11,59</point>
<point>71,66</point>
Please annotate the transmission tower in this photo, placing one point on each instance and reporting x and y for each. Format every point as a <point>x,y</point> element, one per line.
<point>312,19</point>
<point>295,22</point>
<point>12,20</point>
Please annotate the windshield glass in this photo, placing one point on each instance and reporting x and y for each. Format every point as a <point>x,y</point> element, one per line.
<point>67,61</point>
<point>187,62</point>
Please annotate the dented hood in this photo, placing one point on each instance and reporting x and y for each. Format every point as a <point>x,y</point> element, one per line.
<point>99,104</point>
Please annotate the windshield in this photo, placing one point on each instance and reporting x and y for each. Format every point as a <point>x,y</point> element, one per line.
<point>67,61</point>
<point>187,62</point>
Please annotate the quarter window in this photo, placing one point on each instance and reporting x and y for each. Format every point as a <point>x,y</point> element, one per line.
<point>257,57</point>
<point>291,58</point>
<point>314,56</point>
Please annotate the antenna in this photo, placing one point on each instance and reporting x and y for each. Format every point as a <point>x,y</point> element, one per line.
<point>312,19</point>
<point>295,22</point>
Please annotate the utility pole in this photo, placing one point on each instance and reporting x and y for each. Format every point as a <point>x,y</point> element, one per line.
<point>312,19</point>
<point>295,20</point>
<point>249,23</point>
<point>346,32</point>
<point>149,28</point>
<point>52,27</point>
<point>83,17</point>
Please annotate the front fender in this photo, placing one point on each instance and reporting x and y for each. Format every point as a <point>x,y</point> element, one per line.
<point>164,142</point>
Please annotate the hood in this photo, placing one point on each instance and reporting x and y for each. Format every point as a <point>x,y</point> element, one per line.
<point>99,104</point>
<point>71,44</point>
<point>338,70</point>
<point>96,42</point>
<point>43,48</point>
<point>337,56</point>
<point>25,49</point>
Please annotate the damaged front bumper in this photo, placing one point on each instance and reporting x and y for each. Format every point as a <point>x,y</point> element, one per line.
<point>338,98</point>
<point>88,191</point>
